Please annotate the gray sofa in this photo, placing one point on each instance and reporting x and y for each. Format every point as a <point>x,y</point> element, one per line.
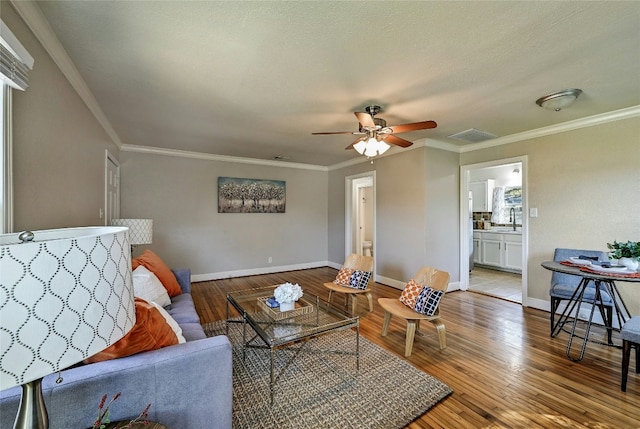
<point>188,385</point>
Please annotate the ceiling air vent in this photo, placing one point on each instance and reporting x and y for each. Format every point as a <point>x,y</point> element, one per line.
<point>472,136</point>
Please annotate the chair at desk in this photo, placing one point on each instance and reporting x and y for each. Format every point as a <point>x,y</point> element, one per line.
<point>563,287</point>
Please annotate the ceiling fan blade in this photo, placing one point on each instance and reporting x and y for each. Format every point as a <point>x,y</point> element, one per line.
<point>365,119</point>
<point>335,132</point>
<point>354,142</point>
<point>403,128</point>
<point>391,139</point>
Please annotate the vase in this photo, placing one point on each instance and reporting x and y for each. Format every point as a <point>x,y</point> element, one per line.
<point>287,306</point>
<point>630,263</point>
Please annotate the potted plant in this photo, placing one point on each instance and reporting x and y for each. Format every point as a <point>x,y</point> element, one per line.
<point>627,254</point>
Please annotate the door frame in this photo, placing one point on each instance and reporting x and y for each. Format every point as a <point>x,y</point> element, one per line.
<point>352,207</point>
<point>464,219</point>
<point>110,159</point>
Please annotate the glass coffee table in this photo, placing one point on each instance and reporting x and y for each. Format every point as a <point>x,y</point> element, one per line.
<point>276,330</point>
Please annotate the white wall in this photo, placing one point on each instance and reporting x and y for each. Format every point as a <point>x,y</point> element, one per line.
<point>180,195</point>
<point>59,147</point>
<point>416,209</point>
<point>586,187</point>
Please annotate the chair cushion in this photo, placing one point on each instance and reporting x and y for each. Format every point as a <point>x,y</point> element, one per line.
<point>359,279</point>
<point>343,277</point>
<point>410,293</point>
<point>428,300</point>
<point>631,330</point>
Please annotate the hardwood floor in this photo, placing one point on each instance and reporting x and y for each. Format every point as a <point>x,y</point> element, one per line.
<point>504,368</point>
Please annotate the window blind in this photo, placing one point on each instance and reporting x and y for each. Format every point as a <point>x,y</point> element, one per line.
<point>15,61</point>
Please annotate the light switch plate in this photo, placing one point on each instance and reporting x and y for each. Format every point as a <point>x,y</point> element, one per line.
<point>533,212</point>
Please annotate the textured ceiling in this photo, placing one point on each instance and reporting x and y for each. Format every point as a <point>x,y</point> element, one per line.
<point>255,79</point>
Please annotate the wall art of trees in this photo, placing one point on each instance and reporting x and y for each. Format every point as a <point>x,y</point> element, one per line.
<point>251,195</point>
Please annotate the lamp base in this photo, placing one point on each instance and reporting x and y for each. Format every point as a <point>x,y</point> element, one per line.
<point>32,412</point>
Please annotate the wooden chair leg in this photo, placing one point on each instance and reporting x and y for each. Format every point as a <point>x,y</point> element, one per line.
<point>626,354</point>
<point>354,303</point>
<point>370,299</point>
<point>385,324</point>
<point>442,334</point>
<point>411,333</point>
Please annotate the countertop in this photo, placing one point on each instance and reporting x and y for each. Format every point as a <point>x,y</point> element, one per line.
<point>501,230</point>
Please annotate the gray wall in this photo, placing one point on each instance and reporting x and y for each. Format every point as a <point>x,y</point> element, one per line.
<point>416,209</point>
<point>586,187</point>
<point>59,147</point>
<point>180,195</point>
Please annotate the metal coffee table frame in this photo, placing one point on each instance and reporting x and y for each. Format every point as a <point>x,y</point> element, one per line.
<point>284,333</point>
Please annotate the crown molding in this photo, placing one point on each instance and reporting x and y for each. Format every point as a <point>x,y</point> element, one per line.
<point>589,121</point>
<point>221,158</point>
<point>35,20</point>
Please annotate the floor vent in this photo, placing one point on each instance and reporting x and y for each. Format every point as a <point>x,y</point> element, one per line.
<point>472,136</point>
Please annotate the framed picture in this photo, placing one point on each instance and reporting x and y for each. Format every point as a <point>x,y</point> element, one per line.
<point>237,195</point>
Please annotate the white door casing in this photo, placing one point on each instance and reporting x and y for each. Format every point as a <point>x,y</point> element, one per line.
<point>112,188</point>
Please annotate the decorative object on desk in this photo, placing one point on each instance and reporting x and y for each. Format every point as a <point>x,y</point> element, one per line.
<point>251,195</point>
<point>272,302</point>
<point>320,390</point>
<point>67,295</point>
<point>104,412</point>
<point>627,254</point>
<point>287,294</point>
<point>300,307</point>
<point>140,230</point>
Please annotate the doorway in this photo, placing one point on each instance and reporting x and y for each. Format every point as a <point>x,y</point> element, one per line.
<point>493,229</point>
<point>111,189</point>
<point>360,214</point>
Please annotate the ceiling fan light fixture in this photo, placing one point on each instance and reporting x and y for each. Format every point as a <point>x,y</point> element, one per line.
<point>360,147</point>
<point>383,147</point>
<point>559,100</point>
<point>372,148</point>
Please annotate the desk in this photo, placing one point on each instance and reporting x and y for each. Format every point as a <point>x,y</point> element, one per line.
<point>600,281</point>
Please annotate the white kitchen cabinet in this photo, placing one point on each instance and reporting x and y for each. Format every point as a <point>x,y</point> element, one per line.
<point>512,251</point>
<point>492,249</point>
<point>499,250</point>
<point>477,247</point>
<point>482,194</point>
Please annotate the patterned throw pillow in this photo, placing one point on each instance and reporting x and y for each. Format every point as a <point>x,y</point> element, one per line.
<point>428,300</point>
<point>360,279</point>
<point>410,293</point>
<point>343,277</point>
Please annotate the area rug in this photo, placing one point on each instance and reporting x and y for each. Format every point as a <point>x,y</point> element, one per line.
<point>324,390</point>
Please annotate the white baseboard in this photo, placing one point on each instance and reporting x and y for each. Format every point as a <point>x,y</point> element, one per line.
<point>258,271</point>
<point>585,309</point>
<point>400,284</point>
<point>282,268</point>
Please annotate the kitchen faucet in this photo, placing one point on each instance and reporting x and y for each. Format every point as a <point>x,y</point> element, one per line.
<point>512,217</point>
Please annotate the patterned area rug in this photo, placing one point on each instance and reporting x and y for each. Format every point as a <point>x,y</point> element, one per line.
<point>323,390</point>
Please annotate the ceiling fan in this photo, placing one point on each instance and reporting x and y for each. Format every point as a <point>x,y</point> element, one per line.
<point>375,132</point>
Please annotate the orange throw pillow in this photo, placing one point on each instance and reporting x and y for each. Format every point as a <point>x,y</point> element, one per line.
<point>150,332</point>
<point>153,263</point>
<point>410,293</point>
<point>343,276</point>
